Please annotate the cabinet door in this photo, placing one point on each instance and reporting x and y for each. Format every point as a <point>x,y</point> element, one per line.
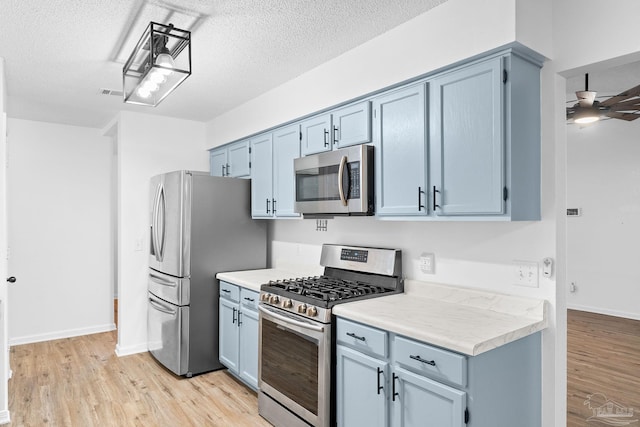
<point>421,402</point>
<point>261,177</point>
<point>361,389</point>
<point>218,162</point>
<point>228,334</point>
<point>467,140</point>
<point>239,159</point>
<point>352,125</point>
<point>249,347</point>
<point>316,134</point>
<point>401,152</point>
<point>286,147</point>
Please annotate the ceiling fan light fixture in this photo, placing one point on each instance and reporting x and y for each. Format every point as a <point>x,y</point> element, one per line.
<point>160,62</point>
<point>586,115</point>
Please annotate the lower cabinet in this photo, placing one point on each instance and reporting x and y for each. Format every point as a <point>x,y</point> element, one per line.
<point>238,342</point>
<point>384,379</point>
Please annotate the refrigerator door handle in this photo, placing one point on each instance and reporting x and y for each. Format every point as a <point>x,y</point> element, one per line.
<point>161,281</point>
<point>162,307</point>
<point>154,225</point>
<point>160,224</point>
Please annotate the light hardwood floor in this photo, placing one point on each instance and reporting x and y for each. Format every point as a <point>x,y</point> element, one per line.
<point>81,382</point>
<point>603,356</point>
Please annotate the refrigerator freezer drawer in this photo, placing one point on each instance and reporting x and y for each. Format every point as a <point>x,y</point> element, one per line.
<point>169,288</point>
<point>167,327</point>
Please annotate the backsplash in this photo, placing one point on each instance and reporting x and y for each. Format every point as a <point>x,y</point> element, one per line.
<point>477,255</point>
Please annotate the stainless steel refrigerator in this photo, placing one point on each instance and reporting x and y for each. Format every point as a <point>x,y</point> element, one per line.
<point>200,225</point>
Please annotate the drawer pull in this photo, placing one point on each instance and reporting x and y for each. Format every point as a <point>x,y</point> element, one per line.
<point>249,299</point>
<point>225,290</point>
<point>420,359</point>
<point>352,335</point>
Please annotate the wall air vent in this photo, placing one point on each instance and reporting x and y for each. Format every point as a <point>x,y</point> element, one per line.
<point>113,92</point>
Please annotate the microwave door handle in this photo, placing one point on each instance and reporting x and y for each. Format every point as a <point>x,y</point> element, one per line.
<point>341,181</point>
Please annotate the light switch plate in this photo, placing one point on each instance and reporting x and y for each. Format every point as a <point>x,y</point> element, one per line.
<point>526,273</point>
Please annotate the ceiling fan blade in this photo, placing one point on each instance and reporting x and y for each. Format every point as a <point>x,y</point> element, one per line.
<point>634,91</point>
<point>623,116</point>
<point>632,104</point>
<point>586,97</point>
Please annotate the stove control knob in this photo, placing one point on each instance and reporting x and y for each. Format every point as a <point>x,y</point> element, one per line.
<point>312,311</point>
<point>302,308</point>
<point>265,297</point>
<point>273,299</point>
<point>287,304</point>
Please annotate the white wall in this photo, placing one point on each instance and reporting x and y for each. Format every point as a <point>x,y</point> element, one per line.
<point>58,199</point>
<point>423,44</point>
<point>147,145</point>
<point>4,330</point>
<point>603,177</point>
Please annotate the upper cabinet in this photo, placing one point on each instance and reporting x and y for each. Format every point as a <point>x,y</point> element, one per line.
<point>345,126</point>
<point>231,160</point>
<point>475,154</point>
<point>401,151</point>
<point>272,186</point>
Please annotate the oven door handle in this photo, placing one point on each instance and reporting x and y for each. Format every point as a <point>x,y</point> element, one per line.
<point>289,320</point>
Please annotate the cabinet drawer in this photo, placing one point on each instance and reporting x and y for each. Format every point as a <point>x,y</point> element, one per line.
<point>249,299</point>
<point>362,338</point>
<point>229,291</point>
<point>430,361</point>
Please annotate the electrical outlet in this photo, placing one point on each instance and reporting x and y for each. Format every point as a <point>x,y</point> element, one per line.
<point>526,273</point>
<point>427,263</point>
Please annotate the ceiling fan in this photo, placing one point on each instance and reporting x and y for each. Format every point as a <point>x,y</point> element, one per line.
<point>624,106</point>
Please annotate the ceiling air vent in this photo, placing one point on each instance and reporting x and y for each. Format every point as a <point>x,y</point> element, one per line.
<point>113,92</point>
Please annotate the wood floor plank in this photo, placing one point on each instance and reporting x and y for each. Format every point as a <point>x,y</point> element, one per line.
<point>603,356</point>
<point>81,382</point>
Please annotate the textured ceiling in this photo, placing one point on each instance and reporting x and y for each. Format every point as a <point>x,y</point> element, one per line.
<point>606,82</point>
<point>60,53</point>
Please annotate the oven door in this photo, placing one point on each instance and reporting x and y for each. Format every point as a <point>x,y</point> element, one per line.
<point>295,364</point>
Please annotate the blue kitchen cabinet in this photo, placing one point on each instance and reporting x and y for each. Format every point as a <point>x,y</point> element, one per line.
<point>238,334</point>
<point>248,325</point>
<point>316,134</point>
<point>339,128</point>
<point>467,140</point>
<point>400,141</point>
<point>361,389</point>
<point>228,326</point>
<point>422,402</point>
<point>423,385</point>
<point>273,186</point>
<point>231,160</point>
<point>218,161</point>
<point>262,176</point>
<point>352,124</point>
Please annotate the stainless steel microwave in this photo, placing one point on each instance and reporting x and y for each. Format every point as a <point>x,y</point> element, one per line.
<point>338,182</point>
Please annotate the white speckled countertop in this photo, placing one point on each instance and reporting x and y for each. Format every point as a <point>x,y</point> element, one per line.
<point>252,279</point>
<point>465,320</point>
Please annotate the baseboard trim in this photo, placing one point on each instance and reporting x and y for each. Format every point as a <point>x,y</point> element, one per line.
<point>4,417</point>
<point>129,350</point>
<point>69,333</point>
<point>616,313</point>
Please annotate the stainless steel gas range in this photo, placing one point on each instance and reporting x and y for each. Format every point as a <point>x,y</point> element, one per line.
<point>296,377</point>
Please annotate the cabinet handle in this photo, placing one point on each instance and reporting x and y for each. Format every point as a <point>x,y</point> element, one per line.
<point>420,193</point>
<point>379,386</point>
<point>239,318</point>
<point>228,167</point>
<point>394,393</point>
<point>435,205</point>
<point>420,359</point>
<point>273,206</point>
<point>234,316</point>
<point>249,299</point>
<point>352,335</point>
<point>222,170</point>
<point>326,135</point>
<point>335,134</point>
<point>268,201</point>
<point>225,290</point>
